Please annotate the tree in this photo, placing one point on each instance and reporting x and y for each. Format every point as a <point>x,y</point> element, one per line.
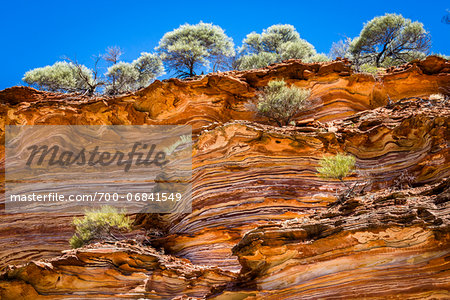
<point>274,44</point>
<point>122,77</point>
<point>62,76</point>
<point>340,49</point>
<point>270,40</point>
<point>92,82</point>
<point>149,66</point>
<point>188,47</point>
<point>113,54</point>
<point>126,77</point>
<point>390,37</point>
<point>281,103</point>
<point>99,224</point>
<point>299,49</point>
<point>256,61</point>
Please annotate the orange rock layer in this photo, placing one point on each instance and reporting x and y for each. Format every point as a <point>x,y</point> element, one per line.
<point>248,174</point>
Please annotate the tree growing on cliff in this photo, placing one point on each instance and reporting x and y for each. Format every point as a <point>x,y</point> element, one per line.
<point>270,40</point>
<point>256,61</point>
<point>62,76</point>
<point>274,44</point>
<point>341,49</point>
<point>126,77</point>
<point>149,66</point>
<point>189,47</point>
<point>122,78</point>
<point>99,224</point>
<point>389,40</point>
<point>113,54</point>
<point>281,103</point>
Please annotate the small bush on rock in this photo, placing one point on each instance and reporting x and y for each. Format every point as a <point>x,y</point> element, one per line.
<point>368,68</point>
<point>281,103</point>
<point>336,167</point>
<point>60,77</point>
<point>99,224</point>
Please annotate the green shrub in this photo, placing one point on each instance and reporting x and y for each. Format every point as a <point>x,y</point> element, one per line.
<point>270,40</point>
<point>300,49</point>
<point>390,37</point>
<point>256,61</point>
<point>189,47</point>
<point>447,57</point>
<point>98,224</point>
<point>126,77</point>
<point>319,57</point>
<point>149,66</point>
<point>60,77</point>
<point>340,49</point>
<point>336,167</point>
<point>122,77</point>
<point>280,103</point>
<point>369,68</point>
<point>275,44</point>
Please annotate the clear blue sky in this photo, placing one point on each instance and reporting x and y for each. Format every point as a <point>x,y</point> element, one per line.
<point>37,33</point>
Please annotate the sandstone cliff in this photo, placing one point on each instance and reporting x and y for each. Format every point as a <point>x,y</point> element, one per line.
<point>262,225</point>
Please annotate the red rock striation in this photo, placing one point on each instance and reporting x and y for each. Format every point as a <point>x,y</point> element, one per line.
<point>380,244</point>
<point>120,270</point>
<point>259,208</point>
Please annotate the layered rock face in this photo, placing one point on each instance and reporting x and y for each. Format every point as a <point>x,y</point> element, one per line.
<point>262,225</point>
<point>380,245</point>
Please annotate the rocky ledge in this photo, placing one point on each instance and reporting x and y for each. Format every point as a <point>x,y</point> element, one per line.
<point>263,224</point>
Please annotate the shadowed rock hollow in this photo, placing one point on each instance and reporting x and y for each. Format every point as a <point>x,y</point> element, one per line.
<point>262,226</point>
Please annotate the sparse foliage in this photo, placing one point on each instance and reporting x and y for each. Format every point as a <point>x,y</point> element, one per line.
<point>122,77</point>
<point>281,103</point>
<point>368,68</point>
<point>92,82</point>
<point>319,57</point>
<point>99,224</point>
<point>299,49</point>
<point>149,66</point>
<point>126,77</point>
<point>61,77</point>
<point>256,61</point>
<point>270,40</point>
<point>447,57</point>
<point>336,167</point>
<point>390,37</point>
<point>340,49</point>
<point>189,47</point>
<point>113,54</point>
<point>275,44</point>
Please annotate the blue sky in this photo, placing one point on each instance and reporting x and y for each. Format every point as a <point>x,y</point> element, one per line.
<point>38,33</point>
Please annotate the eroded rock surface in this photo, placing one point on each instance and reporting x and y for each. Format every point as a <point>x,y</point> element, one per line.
<point>380,244</point>
<point>262,226</point>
